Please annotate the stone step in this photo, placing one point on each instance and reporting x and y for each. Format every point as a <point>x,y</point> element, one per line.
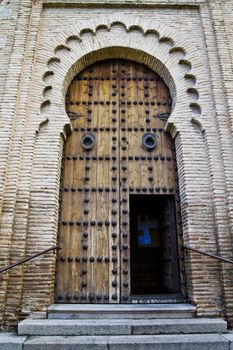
<point>133,342</point>
<point>89,327</point>
<point>117,311</point>
<point>11,341</point>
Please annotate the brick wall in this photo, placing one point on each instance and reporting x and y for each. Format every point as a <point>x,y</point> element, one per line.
<point>43,45</point>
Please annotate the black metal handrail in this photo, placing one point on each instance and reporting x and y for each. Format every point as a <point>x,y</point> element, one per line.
<point>208,254</point>
<point>22,261</point>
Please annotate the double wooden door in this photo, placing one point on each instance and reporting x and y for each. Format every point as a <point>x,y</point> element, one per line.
<point>118,148</point>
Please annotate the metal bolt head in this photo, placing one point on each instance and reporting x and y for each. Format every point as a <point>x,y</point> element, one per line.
<point>114,283</point>
<point>114,297</point>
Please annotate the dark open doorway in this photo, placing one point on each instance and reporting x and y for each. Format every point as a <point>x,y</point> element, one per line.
<point>153,243</point>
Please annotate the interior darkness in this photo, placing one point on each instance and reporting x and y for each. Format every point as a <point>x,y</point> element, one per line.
<point>151,226</point>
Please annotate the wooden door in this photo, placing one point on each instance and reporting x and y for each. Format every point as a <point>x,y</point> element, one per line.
<point>114,105</point>
<point>169,247</point>
<point>146,245</point>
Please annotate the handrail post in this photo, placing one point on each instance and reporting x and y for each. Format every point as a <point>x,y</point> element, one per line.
<point>22,261</point>
<point>208,254</point>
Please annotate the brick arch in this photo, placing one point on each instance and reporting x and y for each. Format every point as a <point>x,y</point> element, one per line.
<point>153,47</point>
<point>176,61</point>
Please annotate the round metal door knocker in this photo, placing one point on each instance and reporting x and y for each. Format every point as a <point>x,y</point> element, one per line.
<point>149,141</point>
<point>88,141</point>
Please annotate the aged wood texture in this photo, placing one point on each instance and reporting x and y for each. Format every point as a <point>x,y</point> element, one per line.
<point>170,263</point>
<point>116,102</point>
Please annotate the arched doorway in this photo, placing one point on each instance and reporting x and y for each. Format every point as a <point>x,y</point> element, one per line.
<point>119,199</point>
